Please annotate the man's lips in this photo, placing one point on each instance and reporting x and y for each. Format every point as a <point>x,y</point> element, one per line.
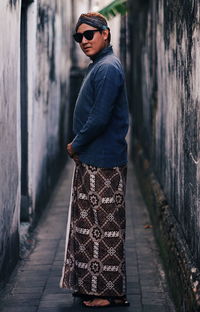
<point>86,48</point>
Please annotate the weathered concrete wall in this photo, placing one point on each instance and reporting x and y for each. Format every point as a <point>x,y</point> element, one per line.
<point>9,133</point>
<point>165,105</point>
<point>35,63</point>
<point>49,64</point>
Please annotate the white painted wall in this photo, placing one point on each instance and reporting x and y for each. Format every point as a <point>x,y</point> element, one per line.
<point>48,42</point>
<point>9,132</point>
<point>47,45</point>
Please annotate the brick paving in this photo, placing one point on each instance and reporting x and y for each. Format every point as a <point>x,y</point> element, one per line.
<point>34,286</point>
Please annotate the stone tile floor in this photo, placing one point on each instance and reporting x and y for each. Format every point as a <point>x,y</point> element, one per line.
<point>34,285</point>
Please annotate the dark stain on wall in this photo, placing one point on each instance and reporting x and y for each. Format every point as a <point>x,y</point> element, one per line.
<point>177,13</point>
<point>12,3</point>
<point>46,26</point>
<point>52,73</point>
<point>43,17</point>
<point>24,3</point>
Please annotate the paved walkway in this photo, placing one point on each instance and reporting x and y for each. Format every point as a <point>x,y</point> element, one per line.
<point>34,286</point>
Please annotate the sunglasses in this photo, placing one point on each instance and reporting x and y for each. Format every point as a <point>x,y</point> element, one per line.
<point>88,34</point>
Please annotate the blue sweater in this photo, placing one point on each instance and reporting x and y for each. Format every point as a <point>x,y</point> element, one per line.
<point>100,120</point>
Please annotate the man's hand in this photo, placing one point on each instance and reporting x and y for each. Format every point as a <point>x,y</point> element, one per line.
<point>71,152</point>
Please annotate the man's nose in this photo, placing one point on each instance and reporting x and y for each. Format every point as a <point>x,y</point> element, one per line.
<point>84,40</point>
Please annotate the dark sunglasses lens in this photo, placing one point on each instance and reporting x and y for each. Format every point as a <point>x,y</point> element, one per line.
<point>89,34</point>
<point>78,37</point>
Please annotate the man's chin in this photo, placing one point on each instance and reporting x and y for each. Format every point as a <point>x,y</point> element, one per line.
<point>88,52</point>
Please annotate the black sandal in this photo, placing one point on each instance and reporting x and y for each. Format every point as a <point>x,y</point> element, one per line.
<point>113,302</point>
<point>82,296</point>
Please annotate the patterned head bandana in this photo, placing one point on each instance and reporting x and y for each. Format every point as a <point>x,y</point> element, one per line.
<point>93,21</point>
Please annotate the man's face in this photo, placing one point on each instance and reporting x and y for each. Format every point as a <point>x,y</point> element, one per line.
<point>94,46</point>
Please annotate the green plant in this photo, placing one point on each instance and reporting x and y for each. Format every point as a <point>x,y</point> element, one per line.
<point>114,8</point>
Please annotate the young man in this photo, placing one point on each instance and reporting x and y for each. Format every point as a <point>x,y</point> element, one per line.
<point>94,264</point>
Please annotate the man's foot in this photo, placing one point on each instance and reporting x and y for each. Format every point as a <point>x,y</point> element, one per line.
<point>102,302</point>
<point>97,302</point>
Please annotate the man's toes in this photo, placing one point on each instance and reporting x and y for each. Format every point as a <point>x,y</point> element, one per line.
<point>87,303</point>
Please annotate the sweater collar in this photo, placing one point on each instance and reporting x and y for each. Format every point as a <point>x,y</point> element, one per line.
<point>102,53</point>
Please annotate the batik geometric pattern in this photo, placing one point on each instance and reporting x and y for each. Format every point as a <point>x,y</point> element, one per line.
<point>95,257</point>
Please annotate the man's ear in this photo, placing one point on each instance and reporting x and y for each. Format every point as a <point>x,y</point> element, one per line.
<point>105,34</point>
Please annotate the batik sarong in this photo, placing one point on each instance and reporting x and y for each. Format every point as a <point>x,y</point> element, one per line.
<point>94,261</point>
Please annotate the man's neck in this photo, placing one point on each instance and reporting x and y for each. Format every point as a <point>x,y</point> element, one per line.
<point>104,51</point>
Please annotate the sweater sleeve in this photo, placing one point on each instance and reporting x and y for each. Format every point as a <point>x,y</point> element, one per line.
<point>108,82</point>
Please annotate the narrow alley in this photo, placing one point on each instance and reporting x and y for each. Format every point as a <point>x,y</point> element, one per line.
<point>147,84</point>
<point>35,285</point>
